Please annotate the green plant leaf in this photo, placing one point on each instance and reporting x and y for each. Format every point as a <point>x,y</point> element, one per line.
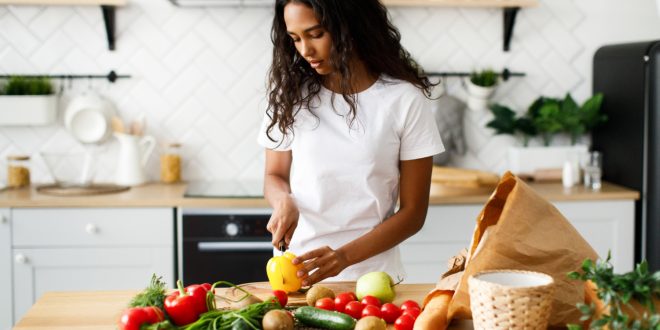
<point>590,112</point>
<point>504,121</point>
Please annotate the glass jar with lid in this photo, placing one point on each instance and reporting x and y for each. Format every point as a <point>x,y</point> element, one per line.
<point>18,171</point>
<point>170,163</point>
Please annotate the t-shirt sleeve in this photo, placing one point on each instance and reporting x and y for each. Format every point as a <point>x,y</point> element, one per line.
<point>281,143</point>
<point>420,136</point>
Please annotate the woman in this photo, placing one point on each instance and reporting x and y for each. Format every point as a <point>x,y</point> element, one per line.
<point>348,131</point>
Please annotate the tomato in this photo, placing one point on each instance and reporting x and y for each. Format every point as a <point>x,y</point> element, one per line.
<point>281,296</point>
<point>404,322</point>
<point>371,310</point>
<point>413,312</point>
<point>325,303</point>
<point>409,303</point>
<point>371,300</point>
<point>342,299</point>
<point>390,312</point>
<point>352,294</point>
<point>354,309</point>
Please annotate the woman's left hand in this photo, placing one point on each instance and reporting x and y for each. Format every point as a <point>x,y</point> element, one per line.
<point>320,264</point>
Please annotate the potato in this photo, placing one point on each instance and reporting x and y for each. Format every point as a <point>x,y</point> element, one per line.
<point>317,292</point>
<point>277,319</point>
<point>371,323</point>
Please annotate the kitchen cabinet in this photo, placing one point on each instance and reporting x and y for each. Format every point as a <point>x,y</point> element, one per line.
<point>5,271</point>
<point>57,249</point>
<point>606,225</point>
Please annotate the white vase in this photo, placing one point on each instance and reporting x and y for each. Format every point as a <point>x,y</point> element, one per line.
<point>23,110</point>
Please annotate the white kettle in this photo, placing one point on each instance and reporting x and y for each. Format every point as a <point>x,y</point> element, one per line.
<point>134,151</point>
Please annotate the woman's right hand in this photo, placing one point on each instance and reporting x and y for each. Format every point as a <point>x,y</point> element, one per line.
<point>283,222</point>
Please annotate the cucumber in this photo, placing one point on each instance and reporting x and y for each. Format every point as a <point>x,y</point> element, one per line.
<point>321,318</point>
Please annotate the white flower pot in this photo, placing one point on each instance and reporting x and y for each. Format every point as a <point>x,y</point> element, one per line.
<point>526,160</point>
<point>19,110</point>
<point>478,97</point>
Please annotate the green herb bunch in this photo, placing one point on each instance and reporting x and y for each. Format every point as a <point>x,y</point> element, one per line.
<point>19,85</point>
<point>484,78</point>
<point>616,292</point>
<point>548,116</point>
<point>153,295</point>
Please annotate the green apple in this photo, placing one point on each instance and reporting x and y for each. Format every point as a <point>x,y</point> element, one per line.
<point>377,284</point>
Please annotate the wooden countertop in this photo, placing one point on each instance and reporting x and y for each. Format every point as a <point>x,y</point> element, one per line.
<point>164,195</point>
<point>100,310</point>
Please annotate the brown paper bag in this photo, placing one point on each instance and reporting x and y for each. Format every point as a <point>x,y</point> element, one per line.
<point>525,232</point>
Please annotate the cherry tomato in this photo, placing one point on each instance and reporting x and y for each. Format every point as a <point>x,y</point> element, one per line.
<point>390,312</point>
<point>352,294</point>
<point>342,299</point>
<point>404,322</point>
<point>371,310</point>
<point>409,303</point>
<point>354,309</point>
<point>325,303</point>
<point>281,296</point>
<point>413,312</point>
<point>371,300</point>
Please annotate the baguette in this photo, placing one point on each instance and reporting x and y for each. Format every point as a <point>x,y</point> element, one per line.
<point>434,314</point>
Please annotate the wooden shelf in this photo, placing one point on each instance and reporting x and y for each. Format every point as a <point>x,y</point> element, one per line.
<point>107,8</point>
<point>509,10</point>
<point>65,2</point>
<point>463,3</point>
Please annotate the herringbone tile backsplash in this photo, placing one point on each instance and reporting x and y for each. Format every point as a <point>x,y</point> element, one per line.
<point>198,74</point>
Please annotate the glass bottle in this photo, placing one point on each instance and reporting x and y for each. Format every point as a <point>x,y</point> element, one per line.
<point>170,163</point>
<point>18,171</point>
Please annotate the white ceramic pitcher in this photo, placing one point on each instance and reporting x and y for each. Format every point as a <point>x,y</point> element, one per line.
<point>134,151</point>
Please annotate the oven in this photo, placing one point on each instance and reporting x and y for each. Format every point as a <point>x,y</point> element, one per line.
<point>223,244</point>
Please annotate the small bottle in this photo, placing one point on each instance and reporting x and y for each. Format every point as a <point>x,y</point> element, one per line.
<point>567,175</point>
<point>18,171</point>
<point>170,163</point>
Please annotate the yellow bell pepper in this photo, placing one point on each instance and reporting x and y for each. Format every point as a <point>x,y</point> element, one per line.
<point>282,273</point>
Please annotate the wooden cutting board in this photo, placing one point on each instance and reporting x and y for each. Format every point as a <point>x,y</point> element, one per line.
<point>262,290</point>
<point>453,181</point>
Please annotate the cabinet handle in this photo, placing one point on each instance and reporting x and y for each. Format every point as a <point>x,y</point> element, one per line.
<point>21,259</point>
<point>3,219</point>
<point>91,229</point>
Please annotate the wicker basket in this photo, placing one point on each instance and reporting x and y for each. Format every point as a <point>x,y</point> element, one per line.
<point>510,299</point>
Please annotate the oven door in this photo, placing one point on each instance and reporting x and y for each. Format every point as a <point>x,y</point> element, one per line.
<point>224,245</point>
<point>233,261</point>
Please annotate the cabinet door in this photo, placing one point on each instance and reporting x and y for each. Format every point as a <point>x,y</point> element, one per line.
<point>447,230</point>
<point>607,226</point>
<point>6,313</point>
<point>39,270</point>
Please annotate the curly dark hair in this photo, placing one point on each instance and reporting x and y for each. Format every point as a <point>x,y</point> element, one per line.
<point>358,28</point>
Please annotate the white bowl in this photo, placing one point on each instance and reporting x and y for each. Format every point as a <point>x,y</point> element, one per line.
<point>87,118</point>
<point>74,169</point>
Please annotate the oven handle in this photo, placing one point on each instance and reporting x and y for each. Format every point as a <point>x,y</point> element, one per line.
<point>234,246</point>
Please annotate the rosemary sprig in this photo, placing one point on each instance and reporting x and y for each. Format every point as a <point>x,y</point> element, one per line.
<point>616,292</point>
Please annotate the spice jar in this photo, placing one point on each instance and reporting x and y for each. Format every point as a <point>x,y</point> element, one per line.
<point>18,171</point>
<point>170,163</point>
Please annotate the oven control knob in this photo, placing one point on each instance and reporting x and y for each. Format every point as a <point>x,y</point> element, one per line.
<point>231,229</point>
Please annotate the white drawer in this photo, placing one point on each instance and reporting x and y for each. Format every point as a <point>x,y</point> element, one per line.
<point>60,227</point>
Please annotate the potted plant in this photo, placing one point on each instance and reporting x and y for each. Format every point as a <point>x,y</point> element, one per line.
<point>480,87</point>
<point>546,118</point>
<point>27,101</point>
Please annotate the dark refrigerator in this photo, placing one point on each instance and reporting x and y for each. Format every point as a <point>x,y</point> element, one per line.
<point>629,77</point>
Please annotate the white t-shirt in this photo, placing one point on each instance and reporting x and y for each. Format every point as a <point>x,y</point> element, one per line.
<point>345,179</point>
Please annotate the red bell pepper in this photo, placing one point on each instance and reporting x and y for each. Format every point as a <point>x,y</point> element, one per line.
<point>136,317</point>
<point>185,305</point>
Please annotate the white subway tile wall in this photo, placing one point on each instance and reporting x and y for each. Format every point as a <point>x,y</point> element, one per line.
<point>199,74</point>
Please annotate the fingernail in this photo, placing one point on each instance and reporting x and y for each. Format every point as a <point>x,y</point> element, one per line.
<point>295,261</point>
<point>300,273</point>
<point>304,283</point>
